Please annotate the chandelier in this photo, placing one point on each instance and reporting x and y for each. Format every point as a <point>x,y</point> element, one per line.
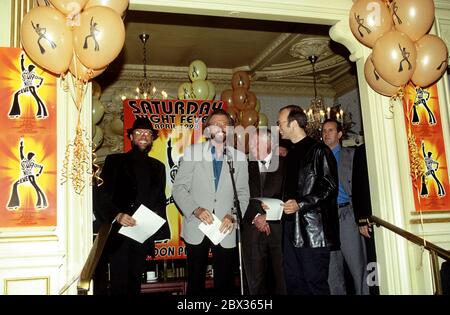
<point>145,89</point>
<point>316,112</point>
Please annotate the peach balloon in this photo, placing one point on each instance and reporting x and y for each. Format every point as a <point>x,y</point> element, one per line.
<point>432,60</point>
<point>251,104</point>
<point>44,3</point>
<point>413,17</point>
<point>47,39</point>
<point>240,98</point>
<point>227,97</point>
<point>120,6</point>
<point>369,20</point>
<point>81,72</point>
<point>99,38</point>
<point>250,118</point>
<point>69,8</point>
<point>394,57</point>
<point>234,114</point>
<point>376,82</point>
<point>240,79</point>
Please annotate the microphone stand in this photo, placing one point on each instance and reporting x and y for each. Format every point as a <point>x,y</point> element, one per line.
<point>238,213</point>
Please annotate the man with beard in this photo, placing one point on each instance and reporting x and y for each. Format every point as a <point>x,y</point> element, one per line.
<point>203,187</point>
<point>131,179</point>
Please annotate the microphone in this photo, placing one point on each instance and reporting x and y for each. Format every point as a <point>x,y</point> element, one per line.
<point>229,157</point>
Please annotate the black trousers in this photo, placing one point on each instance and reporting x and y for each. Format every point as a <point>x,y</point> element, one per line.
<point>224,262</point>
<point>263,260</point>
<point>305,269</point>
<point>127,263</point>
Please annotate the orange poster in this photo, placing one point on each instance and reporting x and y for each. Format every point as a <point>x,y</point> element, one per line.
<point>179,123</point>
<point>423,120</point>
<point>27,142</point>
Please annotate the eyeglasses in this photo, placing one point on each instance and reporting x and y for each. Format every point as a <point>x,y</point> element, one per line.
<point>219,124</point>
<point>139,133</point>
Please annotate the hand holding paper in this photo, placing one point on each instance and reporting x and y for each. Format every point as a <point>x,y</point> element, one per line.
<point>147,224</point>
<point>213,230</point>
<point>274,210</point>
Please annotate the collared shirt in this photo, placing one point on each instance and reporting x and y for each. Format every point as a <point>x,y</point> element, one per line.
<point>217,166</point>
<point>342,195</point>
<point>265,163</point>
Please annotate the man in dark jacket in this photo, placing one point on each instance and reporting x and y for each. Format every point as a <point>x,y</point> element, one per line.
<point>310,221</point>
<point>131,179</point>
<point>261,239</point>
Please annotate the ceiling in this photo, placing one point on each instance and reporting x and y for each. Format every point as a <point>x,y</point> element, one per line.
<point>272,52</point>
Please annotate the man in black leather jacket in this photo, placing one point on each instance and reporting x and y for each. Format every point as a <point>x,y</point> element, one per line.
<point>310,220</point>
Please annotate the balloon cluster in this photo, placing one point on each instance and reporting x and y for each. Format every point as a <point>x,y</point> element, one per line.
<point>82,36</point>
<point>242,104</point>
<point>199,88</point>
<point>402,48</point>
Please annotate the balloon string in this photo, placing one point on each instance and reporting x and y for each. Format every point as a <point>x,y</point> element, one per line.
<point>417,168</point>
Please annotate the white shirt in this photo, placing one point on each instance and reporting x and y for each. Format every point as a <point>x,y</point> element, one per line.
<point>264,167</point>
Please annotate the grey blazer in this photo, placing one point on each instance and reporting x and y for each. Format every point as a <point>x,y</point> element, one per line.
<point>345,168</point>
<point>194,187</point>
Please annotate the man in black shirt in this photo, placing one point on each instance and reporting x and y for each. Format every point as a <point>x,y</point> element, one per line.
<point>310,221</point>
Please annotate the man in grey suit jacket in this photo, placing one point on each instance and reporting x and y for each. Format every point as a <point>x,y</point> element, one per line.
<point>352,245</point>
<point>203,187</point>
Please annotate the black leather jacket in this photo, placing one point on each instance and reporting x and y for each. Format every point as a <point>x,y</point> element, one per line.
<point>316,224</point>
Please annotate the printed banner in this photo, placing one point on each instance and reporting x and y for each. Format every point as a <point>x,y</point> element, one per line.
<point>179,123</point>
<point>423,120</point>
<point>27,142</point>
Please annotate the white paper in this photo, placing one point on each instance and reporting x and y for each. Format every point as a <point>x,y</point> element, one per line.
<point>147,224</point>
<point>275,210</point>
<point>212,230</point>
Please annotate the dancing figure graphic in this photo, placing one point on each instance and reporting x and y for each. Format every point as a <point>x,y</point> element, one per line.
<point>360,22</point>
<point>29,77</point>
<point>422,97</point>
<point>173,169</point>
<point>41,31</point>
<point>432,166</point>
<point>27,165</point>
<point>405,56</point>
<point>93,33</point>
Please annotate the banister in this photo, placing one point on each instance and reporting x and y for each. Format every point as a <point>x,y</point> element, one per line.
<point>94,256</point>
<point>435,250</point>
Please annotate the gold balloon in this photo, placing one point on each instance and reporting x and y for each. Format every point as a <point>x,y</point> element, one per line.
<point>96,90</point>
<point>185,91</point>
<point>240,98</point>
<point>116,126</point>
<point>258,105</point>
<point>369,20</point>
<point>197,70</point>
<point>394,57</point>
<point>70,8</point>
<point>432,60</point>
<point>98,110</point>
<point>376,82</point>
<point>200,89</point>
<point>263,121</point>
<point>99,38</point>
<point>413,17</point>
<point>83,73</point>
<point>211,89</point>
<point>120,6</point>
<point>47,39</point>
<point>98,138</point>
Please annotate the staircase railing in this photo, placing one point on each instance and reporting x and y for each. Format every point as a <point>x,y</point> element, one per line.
<point>434,250</point>
<point>94,256</point>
